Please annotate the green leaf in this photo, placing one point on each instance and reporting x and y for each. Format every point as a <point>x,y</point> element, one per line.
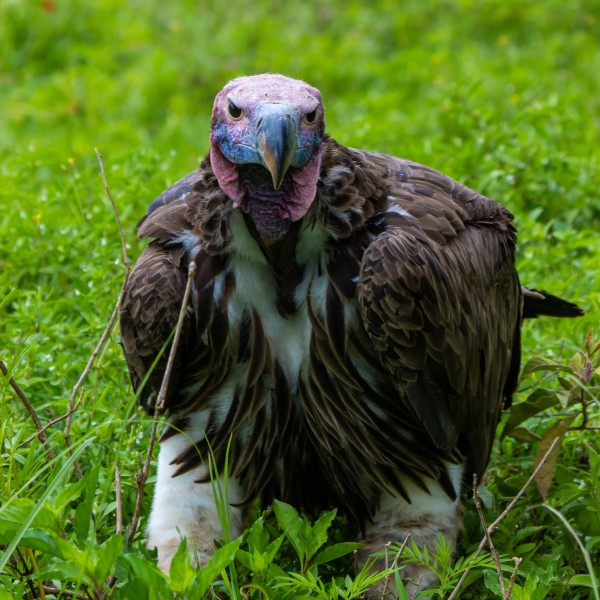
<point>292,526</point>
<point>245,558</point>
<point>58,477</point>
<point>182,573</point>
<point>523,435</point>
<point>83,512</point>
<point>539,363</point>
<point>257,538</point>
<point>145,579</point>
<point>12,517</point>
<point>107,555</point>
<point>490,578</point>
<point>65,570</point>
<point>320,529</point>
<point>582,579</point>
<point>218,562</point>
<point>335,551</point>
<point>40,540</point>
<point>538,401</point>
<point>487,499</point>
<point>402,593</point>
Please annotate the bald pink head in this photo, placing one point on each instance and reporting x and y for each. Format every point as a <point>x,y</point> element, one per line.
<point>254,90</point>
<point>276,125</point>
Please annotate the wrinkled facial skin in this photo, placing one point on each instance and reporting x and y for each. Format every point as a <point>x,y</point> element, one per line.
<point>276,123</point>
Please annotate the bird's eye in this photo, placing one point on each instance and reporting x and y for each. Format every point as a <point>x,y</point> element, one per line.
<point>311,116</point>
<point>234,111</point>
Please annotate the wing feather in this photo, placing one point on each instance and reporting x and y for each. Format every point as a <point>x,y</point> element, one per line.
<point>154,293</point>
<point>149,312</point>
<point>440,299</point>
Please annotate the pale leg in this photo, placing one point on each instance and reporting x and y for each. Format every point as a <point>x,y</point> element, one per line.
<point>423,519</point>
<point>184,509</point>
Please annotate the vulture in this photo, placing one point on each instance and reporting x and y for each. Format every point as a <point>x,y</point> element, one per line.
<point>351,336</point>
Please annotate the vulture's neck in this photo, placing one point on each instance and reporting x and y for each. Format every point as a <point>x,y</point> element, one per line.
<point>349,196</point>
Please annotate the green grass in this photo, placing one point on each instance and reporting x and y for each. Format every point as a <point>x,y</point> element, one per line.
<point>502,96</point>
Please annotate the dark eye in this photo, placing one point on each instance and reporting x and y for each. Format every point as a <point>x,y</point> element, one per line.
<point>311,116</point>
<point>234,111</point>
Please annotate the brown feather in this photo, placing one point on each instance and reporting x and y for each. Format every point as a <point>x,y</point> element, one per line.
<point>411,352</point>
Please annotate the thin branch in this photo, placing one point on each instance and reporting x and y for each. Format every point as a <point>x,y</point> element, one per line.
<point>394,563</point>
<point>114,206</point>
<point>54,421</point>
<point>491,528</point>
<point>488,537</point>
<point>19,392</point>
<point>162,394</point>
<point>115,312</point>
<point>518,560</point>
<point>50,589</point>
<point>386,566</point>
<point>119,500</point>
<point>533,475</point>
<point>95,353</point>
<point>143,475</point>
<point>73,406</point>
<point>112,580</point>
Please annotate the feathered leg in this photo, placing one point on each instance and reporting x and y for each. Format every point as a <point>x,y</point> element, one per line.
<point>422,521</point>
<point>183,508</point>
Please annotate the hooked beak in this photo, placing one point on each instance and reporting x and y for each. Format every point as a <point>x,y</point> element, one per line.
<point>276,140</point>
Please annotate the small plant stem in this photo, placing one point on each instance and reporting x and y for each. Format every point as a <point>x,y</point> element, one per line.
<point>387,565</point>
<point>21,395</point>
<point>254,586</point>
<point>115,312</point>
<point>114,206</point>
<point>162,394</point>
<point>49,589</point>
<point>145,469</point>
<point>518,560</point>
<point>119,520</point>
<point>53,422</point>
<point>73,406</point>
<point>394,563</point>
<point>491,528</point>
<point>488,537</point>
<point>119,501</point>
<point>92,358</point>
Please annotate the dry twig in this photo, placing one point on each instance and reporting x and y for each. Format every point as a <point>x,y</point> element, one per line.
<point>115,312</point>
<point>50,589</point>
<point>394,562</point>
<point>73,406</point>
<point>145,470</point>
<point>386,582</point>
<point>488,536</point>
<point>491,528</point>
<point>54,421</point>
<point>119,500</point>
<point>114,206</point>
<point>21,395</point>
<point>518,560</point>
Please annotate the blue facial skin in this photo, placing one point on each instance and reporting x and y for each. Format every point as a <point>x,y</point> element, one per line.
<point>283,128</point>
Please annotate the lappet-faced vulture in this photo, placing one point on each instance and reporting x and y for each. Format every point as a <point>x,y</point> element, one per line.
<point>353,328</point>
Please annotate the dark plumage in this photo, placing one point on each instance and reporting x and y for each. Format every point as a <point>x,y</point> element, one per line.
<point>354,326</point>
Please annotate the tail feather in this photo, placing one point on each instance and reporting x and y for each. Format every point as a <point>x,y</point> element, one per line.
<point>537,303</point>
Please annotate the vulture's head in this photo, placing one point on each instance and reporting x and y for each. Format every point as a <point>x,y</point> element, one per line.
<point>265,148</point>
